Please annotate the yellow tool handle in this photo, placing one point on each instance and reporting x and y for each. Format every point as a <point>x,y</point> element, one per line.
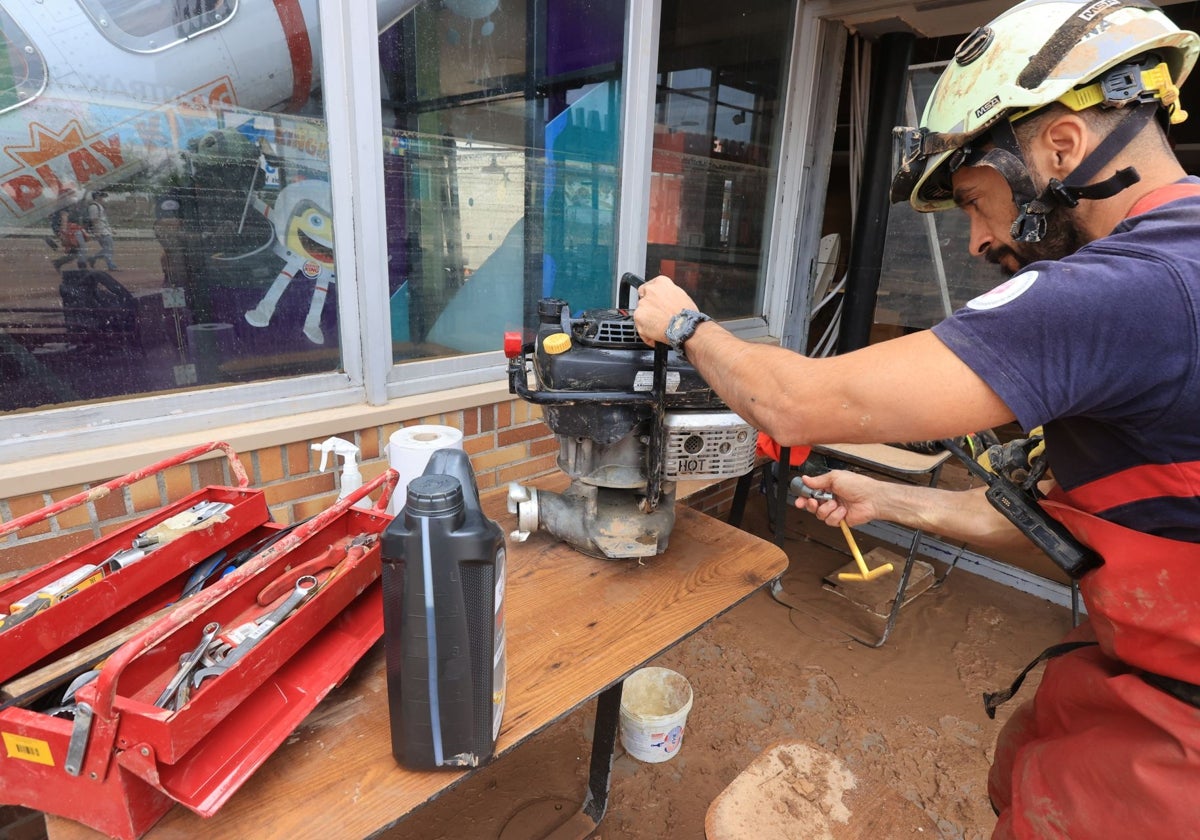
<point>864,574</point>
<point>858,558</point>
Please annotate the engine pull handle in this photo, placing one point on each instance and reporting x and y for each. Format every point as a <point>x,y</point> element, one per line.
<point>629,282</point>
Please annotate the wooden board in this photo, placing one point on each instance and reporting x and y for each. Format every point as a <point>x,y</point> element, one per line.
<point>877,595</point>
<point>576,625</point>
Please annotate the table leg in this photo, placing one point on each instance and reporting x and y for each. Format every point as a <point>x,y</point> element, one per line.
<point>604,741</point>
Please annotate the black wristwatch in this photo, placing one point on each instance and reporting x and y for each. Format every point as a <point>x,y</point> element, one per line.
<point>682,326</point>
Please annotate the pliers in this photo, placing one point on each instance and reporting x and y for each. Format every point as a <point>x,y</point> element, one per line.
<point>342,550</point>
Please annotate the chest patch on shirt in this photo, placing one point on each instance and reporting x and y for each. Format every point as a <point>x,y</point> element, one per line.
<point>1006,292</point>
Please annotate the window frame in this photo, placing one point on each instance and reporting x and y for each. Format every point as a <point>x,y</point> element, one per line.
<point>355,153</point>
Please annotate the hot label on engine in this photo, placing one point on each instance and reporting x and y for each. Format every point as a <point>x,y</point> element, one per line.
<point>687,466</point>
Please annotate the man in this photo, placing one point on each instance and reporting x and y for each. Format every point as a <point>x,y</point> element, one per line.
<point>101,230</point>
<point>1044,130</point>
<point>67,226</point>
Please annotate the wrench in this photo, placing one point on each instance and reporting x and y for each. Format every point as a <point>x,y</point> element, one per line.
<point>305,586</point>
<point>187,663</point>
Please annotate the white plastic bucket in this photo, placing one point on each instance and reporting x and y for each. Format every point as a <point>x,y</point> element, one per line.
<point>654,707</point>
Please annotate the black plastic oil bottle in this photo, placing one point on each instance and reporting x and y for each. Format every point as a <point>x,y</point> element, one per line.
<point>443,612</point>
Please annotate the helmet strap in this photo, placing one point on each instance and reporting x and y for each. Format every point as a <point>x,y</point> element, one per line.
<point>1030,224</point>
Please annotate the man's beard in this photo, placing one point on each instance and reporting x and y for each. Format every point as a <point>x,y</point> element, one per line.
<point>1064,236</point>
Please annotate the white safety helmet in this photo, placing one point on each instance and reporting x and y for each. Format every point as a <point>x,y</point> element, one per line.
<point>1112,53</point>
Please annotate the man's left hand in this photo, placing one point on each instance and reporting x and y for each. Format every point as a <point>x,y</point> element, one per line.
<point>658,301</point>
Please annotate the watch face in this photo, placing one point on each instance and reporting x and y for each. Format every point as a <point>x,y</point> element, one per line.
<point>675,326</point>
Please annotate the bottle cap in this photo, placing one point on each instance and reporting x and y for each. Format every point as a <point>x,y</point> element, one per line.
<point>434,495</point>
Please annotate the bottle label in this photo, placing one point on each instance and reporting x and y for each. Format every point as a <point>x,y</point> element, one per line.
<point>499,672</point>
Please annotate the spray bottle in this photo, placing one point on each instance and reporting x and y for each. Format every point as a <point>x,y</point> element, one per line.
<point>351,478</point>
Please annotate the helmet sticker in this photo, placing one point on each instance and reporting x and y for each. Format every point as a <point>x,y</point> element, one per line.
<point>1006,292</point>
<point>987,106</point>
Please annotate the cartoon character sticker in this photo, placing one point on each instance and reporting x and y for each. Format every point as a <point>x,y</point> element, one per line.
<point>304,240</point>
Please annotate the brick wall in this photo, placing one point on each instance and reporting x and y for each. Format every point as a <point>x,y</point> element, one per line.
<point>507,441</point>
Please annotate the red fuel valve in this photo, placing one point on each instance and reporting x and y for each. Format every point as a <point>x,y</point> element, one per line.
<point>513,341</point>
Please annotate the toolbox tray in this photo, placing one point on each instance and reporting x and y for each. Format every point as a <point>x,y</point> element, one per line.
<point>123,762</point>
<point>98,609</point>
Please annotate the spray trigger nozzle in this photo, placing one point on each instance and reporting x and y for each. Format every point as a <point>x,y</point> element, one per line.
<point>351,477</point>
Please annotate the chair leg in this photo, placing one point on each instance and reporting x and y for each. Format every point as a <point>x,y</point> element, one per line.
<point>737,508</point>
<point>781,494</point>
<point>894,613</point>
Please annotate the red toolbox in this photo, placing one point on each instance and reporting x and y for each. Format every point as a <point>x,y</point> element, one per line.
<point>118,758</point>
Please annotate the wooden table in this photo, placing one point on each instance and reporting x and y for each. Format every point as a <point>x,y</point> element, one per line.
<point>577,626</point>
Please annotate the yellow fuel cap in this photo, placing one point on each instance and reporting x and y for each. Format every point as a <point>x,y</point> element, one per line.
<point>557,343</point>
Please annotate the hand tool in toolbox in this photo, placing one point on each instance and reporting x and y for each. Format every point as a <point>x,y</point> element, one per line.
<point>120,761</point>
<point>187,664</point>
<point>328,561</point>
<point>73,582</point>
<point>251,635</point>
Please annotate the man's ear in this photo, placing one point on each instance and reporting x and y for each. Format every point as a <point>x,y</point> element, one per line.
<point>1062,145</point>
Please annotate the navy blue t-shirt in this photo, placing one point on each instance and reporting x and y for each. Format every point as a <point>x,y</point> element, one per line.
<point>1103,349</point>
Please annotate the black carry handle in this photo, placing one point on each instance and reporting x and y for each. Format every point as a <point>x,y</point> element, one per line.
<point>1020,508</point>
<point>629,282</point>
<point>658,435</point>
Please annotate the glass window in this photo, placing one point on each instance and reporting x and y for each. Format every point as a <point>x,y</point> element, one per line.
<point>715,142</point>
<point>152,25</point>
<point>924,245</point>
<point>167,234</point>
<point>22,69</point>
<point>501,124</point>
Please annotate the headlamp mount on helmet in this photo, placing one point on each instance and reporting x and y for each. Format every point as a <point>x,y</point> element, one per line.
<point>1096,56</point>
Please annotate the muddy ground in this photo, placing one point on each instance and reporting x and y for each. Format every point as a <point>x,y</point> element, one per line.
<point>897,739</point>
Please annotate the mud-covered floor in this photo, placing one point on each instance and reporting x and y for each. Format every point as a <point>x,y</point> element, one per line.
<point>903,724</point>
<point>898,738</point>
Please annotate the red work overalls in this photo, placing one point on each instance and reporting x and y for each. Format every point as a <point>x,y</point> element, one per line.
<point>1100,752</point>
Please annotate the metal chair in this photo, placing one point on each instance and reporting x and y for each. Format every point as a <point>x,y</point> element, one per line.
<point>884,459</point>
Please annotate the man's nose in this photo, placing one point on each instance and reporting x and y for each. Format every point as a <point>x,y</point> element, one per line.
<point>981,239</point>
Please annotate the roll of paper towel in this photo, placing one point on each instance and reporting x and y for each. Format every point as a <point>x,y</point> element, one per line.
<point>408,453</point>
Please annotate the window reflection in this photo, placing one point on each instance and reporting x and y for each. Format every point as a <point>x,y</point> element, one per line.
<point>169,234</point>
<point>22,70</point>
<point>213,176</point>
<point>156,24</point>
<point>715,139</point>
<point>501,177</point>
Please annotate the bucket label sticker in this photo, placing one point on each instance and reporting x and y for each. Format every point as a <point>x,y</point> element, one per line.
<point>28,749</point>
<point>668,742</point>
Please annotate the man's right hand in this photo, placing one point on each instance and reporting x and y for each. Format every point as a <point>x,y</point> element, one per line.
<point>853,499</point>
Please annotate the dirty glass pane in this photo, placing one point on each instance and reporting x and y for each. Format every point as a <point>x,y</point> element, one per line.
<point>165,222</point>
<point>501,129</point>
<point>22,69</point>
<point>152,25</point>
<point>927,269</point>
<point>716,136</point>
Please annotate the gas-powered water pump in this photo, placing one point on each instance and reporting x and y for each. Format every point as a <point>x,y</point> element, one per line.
<point>631,421</point>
